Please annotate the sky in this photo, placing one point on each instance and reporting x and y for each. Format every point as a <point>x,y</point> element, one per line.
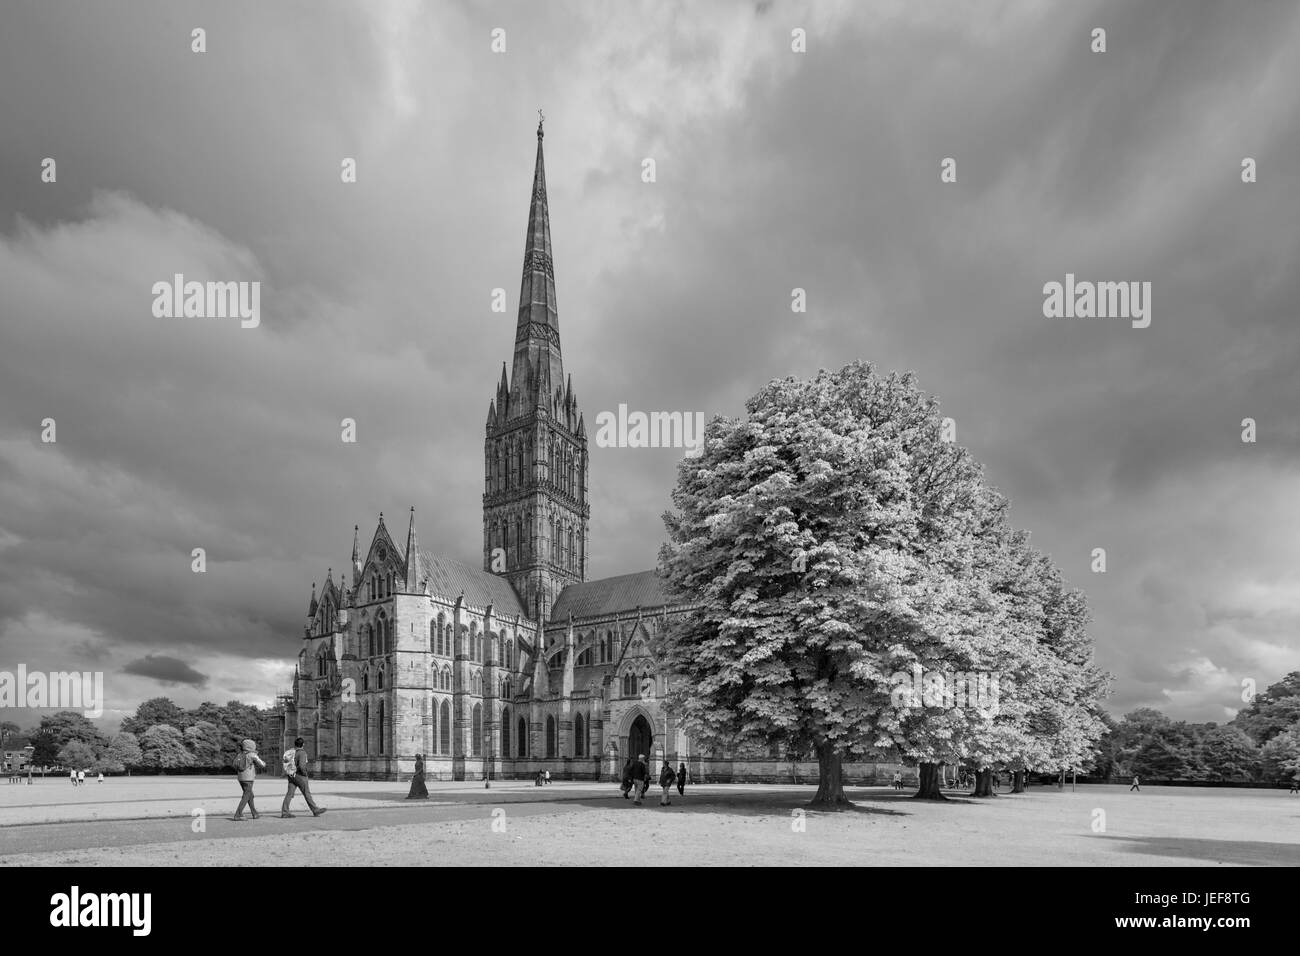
<point>774,170</point>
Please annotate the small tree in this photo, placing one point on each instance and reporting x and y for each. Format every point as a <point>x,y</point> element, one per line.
<point>77,755</point>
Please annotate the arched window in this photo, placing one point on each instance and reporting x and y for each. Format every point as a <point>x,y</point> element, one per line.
<point>446,678</point>
<point>380,728</point>
<point>338,734</point>
<point>444,728</point>
<point>365,680</point>
<point>579,735</point>
<point>478,684</point>
<point>519,540</point>
<point>379,680</point>
<point>510,655</point>
<point>505,689</point>
<point>523,737</point>
<point>433,637</point>
<point>476,731</point>
<point>365,729</point>
<point>550,736</point>
<point>572,559</point>
<point>505,731</point>
<point>629,685</point>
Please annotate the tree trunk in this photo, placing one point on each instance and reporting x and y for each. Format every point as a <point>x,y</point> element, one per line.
<point>984,783</point>
<point>929,783</point>
<point>830,780</point>
<point>1018,782</point>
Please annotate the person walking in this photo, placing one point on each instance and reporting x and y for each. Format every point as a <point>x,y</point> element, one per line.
<point>667,777</point>
<point>246,763</point>
<point>897,782</point>
<point>81,778</point>
<point>548,778</point>
<point>101,776</point>
<point>1295,785</point>
<point>1135,785</point>
<point>640,779</point>
<point>418,790</point>
<point>72,775</point>
<point>295,772</point>
<point>681,780</point>
<point>626,785</point>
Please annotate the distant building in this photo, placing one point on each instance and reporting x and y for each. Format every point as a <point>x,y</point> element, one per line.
<point>16,756</point>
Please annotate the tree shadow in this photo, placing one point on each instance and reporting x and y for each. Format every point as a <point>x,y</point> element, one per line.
<point>1244,852</point>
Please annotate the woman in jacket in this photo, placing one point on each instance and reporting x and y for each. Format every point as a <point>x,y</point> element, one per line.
<point>246,764</point>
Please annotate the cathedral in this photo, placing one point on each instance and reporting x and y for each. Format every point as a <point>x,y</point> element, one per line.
<point>520,665</point>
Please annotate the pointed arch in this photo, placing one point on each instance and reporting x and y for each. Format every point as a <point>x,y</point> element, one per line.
<point>579,736</point>
<point>505,731</point>
<point>380,728</point>
<point>476,731</point>
<point>523,737</point>
<point>550,736</point>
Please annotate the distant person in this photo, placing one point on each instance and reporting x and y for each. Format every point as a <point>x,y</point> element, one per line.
<point>1135,785</point>
<point>246,763</point>
<point>681,780</point>
<point>1295,784</point>
<point>897,782</point>
<point>101,776</point>
<point>626,784</point>
<point>640,779</point>
<point>81,778</point>
<point>295,772</point>
<point>537,780</point>
<point>418,790</point>
<point>72,775</point>
<point>547,778</point>
<point>667,777</point>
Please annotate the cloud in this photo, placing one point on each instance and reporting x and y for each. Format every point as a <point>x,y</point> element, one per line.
<point>166,670</point>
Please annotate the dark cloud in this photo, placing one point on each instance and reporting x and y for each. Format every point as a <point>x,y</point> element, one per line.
<point>166,670</point>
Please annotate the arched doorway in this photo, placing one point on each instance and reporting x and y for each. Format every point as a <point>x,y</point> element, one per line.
<point>639,738</point>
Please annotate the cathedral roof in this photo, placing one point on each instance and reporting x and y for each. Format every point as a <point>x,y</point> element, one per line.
<point>626,592</point>
<point>448,578</point>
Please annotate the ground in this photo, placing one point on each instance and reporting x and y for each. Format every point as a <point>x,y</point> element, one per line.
<point>151,821</point>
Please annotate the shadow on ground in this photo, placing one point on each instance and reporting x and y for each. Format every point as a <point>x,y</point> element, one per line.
<point>1245,852</point>
<point>743,803</point>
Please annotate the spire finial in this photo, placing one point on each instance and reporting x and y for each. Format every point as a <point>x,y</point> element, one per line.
<point>541,118</point>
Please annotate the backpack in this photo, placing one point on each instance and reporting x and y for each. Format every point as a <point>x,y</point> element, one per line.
<point>290,762</point>
<point>241,762</point>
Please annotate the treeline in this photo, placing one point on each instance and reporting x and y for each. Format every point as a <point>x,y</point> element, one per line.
<point>158,737</point>
<point>1260,745</point>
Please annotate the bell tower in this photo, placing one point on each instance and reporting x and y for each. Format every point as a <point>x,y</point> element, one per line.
<point>535,508</point>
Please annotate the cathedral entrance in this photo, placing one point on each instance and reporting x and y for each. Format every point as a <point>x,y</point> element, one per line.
<point>639,738</point>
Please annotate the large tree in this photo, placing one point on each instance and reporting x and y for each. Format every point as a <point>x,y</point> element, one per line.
<point>156,710</point>
<point>77,755</point>
<point>122,752</point>
<point>162,747</point>
<point>829,544</point>
<point>67,725</point>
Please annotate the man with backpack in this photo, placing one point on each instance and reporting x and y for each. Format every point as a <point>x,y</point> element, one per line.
<point>640,779</point>
<point>294,762</point>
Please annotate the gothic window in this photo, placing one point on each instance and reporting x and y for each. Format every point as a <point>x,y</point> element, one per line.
<point>523,737</point>
<point>380,728</point>
<point>379,679</point>
<point>629,685</point>
<point>505,732</point>
<point>519,540</point>
<point>444,728</point>
<point>584,659</point>
<point>510,655</point>
<point>478,684</point>
<point>505,689</point>
<point>550,736</point>
<point>365,680</point>
<point>579,735</point>
<point>365,729</point>
<point>434,635</point>
<point>476,731</point>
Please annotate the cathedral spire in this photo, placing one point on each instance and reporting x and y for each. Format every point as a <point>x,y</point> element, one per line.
<point>412,556</point>
<point>537,334</point>
<point>356,554</point>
